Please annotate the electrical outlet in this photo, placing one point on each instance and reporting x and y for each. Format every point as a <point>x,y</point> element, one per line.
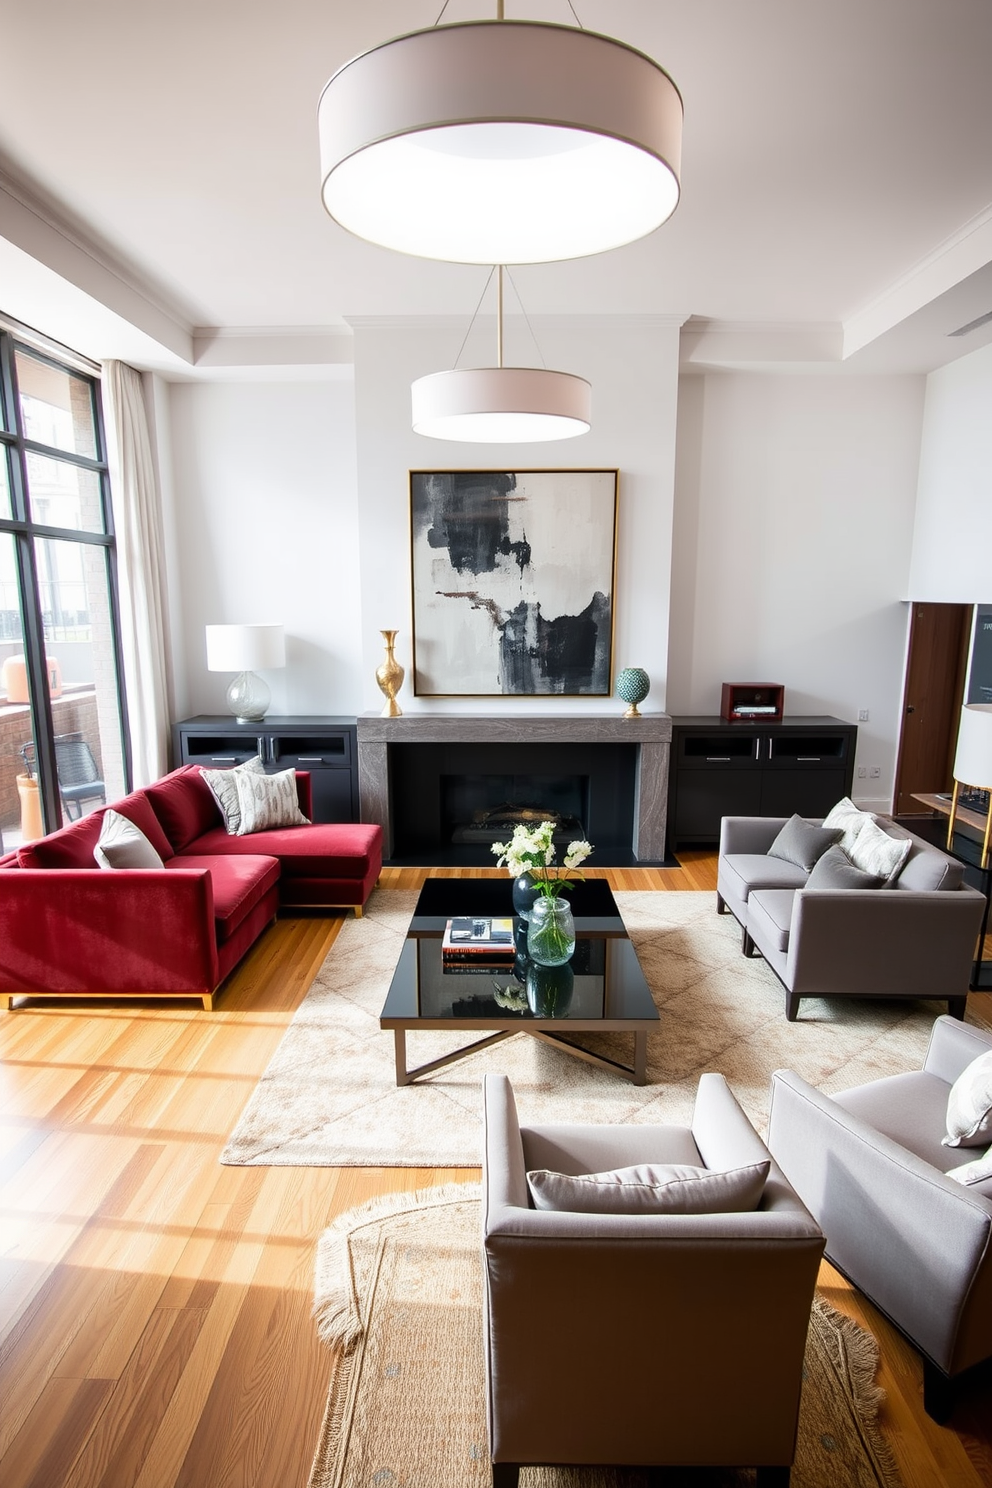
<point>875,772</point>
<point>862,715</point>
<point>862,771</point>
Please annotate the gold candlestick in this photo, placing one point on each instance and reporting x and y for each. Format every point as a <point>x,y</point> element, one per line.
<point>389,677</point>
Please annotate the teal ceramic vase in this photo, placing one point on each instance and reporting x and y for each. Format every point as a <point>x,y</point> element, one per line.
<point>632,686</point>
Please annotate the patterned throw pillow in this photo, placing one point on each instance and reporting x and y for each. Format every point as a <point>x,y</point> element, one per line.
<point>268,801</point>
<point>979,1170</point>
<point>849,819</point>
<point>969,1105</point>
<point>224,788</point>
<point>123,845</point>
<point>874,851</point>
<point>664,1188</point>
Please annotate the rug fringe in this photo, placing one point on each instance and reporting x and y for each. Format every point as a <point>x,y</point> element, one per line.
<point>858,1361</point>
<point>336,1308</point>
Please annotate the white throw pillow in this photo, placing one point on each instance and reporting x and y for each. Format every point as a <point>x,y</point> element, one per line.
<point>224,788</point>
<point>849,819</point>
<point>123,845</point>
<point>975,1171</point>
<point>268,801</point>
<point>874,851</point>
<point>667,1188</point>
<point>969,1105</point>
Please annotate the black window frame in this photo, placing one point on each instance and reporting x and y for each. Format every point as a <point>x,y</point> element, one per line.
<point>15,448</point>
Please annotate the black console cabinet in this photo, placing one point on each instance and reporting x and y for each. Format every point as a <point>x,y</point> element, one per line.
<point>325,746</point>
<point>718,769</point>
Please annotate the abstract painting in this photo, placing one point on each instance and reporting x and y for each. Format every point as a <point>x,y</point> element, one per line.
<point>513,578</point>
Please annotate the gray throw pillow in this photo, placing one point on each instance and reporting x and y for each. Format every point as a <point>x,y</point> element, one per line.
<point>836,871</point>
<point>123,845</point>
<point>801,843</point>
<point>664,1188</point>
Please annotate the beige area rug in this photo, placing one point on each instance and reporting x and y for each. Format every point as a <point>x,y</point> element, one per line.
<point>399,1287</point>
<point>329,1095</point>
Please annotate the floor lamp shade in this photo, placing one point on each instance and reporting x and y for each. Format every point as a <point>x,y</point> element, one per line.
<point>500,142</point>
<point>242,649</point>
<point>973,761</point>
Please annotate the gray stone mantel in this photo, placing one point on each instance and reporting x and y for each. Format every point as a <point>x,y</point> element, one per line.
<point>652,733</point>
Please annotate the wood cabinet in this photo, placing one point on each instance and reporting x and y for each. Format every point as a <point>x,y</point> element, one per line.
<point>802,764</point>
<point>326,747</point>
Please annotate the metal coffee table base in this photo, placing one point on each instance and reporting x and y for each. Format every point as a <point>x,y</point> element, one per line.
<point>636,1073</point>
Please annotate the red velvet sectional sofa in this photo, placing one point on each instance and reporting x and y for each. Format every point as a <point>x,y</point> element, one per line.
<point>69,928</point>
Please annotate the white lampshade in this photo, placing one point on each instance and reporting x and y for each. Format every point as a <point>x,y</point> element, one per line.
<point>501,405</point>
<point>500,142</point>
<point>244,648</point>
<point>973,758</point>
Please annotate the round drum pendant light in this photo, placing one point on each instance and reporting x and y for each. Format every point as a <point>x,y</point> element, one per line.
<point>501,405</point>
<point>500,142</point>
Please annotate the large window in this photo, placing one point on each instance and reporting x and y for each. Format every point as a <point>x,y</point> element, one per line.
<point>62,736</point>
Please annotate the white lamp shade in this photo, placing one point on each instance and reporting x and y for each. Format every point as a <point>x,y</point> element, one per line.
<point>245,648</point>
<point>500,142</point>
<point>973,759</point>
<point>501,405</point>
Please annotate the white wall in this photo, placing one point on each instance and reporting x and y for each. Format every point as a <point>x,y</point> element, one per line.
<point>265,529</point>
<point>633,368</point>
<point>952,544</point>
<point>793,526</point>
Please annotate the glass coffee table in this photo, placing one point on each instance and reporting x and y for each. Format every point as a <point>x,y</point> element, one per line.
<point>602,989</point>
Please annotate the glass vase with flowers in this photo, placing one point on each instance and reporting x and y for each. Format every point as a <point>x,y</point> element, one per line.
<point>530,856</point>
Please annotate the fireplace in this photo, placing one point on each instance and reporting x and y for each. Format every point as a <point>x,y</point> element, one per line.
<point>444,797</point>
<point>445,786</point>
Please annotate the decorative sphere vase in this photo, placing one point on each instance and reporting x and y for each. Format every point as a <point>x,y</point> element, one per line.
<point>551,931</point>
<point>549,989</point>
<point>632,686</point>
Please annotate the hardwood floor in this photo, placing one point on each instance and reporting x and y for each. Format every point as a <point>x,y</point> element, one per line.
<point>155,1306</point>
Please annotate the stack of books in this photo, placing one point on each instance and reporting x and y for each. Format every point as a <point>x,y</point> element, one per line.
<point>477,945</point>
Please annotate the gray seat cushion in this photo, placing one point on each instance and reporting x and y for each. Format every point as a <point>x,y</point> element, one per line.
<point>911,1109</point>
<point>746,872</point>
<point>769,917</point>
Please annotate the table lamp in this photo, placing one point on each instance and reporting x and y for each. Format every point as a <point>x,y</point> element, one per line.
<point>242,649</point>
<point>973,763</point>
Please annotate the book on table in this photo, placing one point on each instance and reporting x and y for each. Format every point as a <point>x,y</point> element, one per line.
<point>476,939</point>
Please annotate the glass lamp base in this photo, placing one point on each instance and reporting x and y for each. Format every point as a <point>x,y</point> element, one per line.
<point>248,698</point>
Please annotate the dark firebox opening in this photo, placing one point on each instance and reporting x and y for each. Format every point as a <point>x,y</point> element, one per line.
<point>483,809</point>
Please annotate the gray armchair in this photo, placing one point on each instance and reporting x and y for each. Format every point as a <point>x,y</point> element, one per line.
<point>869,1164</point>
<point>916,939</point>
<point>608,1337</point>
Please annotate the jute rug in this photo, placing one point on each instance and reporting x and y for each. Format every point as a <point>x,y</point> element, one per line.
<point>329,1095</point>
<point>399,1289</point>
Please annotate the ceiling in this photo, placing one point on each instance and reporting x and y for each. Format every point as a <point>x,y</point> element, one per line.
<point>159,193</point>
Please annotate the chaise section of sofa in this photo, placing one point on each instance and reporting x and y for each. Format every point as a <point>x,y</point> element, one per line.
<point>70,929</point>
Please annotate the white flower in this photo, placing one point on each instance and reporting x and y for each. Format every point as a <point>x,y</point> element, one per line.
<point>577,853</point>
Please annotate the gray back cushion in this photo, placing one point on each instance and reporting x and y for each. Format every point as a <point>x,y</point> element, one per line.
<point>802,843</point>
<point>926,868</point>
<point>836,871</point>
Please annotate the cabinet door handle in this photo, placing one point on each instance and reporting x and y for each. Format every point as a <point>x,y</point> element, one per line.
<point>718,759</point>
<point>310,759</point>
<point>808,759</point>
<point>223,759</point>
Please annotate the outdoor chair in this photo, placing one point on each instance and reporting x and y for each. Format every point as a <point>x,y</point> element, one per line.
<point>79,776</point>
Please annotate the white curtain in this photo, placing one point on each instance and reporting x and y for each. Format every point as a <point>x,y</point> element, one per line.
<point>140,568</point>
